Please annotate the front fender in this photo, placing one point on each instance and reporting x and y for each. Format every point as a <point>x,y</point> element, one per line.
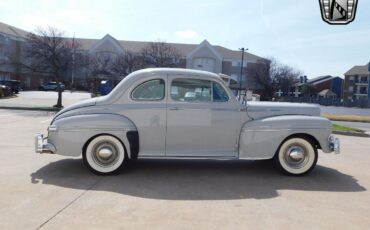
<point>260,139</point>
<point>69,134</point>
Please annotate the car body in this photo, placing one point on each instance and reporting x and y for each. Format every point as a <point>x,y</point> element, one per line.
<point>180,113</point>
<point>51,86</point>
<point>14,85</point>
<point>5,91</point>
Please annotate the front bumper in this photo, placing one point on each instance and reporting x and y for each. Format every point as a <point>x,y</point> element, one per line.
<point>334,144</point>
<point>42,145</point>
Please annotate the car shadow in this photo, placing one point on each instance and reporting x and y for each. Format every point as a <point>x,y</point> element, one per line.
<point>195,179</point>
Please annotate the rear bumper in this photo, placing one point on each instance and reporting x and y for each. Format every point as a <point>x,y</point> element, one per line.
<point>334,144</point>
<point>42,145</point>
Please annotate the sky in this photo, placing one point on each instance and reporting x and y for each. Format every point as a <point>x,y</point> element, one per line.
<point>291,31</point>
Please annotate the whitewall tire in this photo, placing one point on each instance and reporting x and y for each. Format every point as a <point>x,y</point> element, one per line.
<point>104,155</point>
<point>296,156</point>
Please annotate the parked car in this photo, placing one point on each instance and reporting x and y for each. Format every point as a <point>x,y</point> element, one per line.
<point>14,85</point>
<point>5,91</point>
<point>105,87</point>
<point>148,114</point>
<point>51,86</point>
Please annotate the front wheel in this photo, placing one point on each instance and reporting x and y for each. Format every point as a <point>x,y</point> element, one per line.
<point>296,156</point>
<point>104,155</point>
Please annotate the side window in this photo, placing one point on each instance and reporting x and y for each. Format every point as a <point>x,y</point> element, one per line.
<point>219,93</point>
<point>152,90</point>
<point>193,90</point>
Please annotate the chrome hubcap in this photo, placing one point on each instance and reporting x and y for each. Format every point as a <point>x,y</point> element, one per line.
<point>105,154</point>
<point>296,156</point>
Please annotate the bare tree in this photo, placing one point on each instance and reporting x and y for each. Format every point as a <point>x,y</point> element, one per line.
<point>100,63</point>
<point>273,76</point>
<point>308,90</point>
<point>285,77</point>
<point>48,52</point>
<point>260,74</point>
<point>126,63</point>
<point>160,54</point>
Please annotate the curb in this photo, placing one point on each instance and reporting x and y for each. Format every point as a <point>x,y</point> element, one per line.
<point>351,134</point>
<point>49,109</point>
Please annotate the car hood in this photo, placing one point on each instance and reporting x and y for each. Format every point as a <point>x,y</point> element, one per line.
<point>268,109</point>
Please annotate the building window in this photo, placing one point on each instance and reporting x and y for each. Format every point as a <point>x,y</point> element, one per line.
<point>206,64</point>
<point>363,90</point>
<point>363,79</point>
<point>350,89</point>
<point>238,63</point>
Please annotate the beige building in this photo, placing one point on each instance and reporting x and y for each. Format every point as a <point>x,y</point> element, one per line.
<point>357,82</point>
<point>203,56</point>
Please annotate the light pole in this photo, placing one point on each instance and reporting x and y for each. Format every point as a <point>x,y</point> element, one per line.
<point>241,73</point>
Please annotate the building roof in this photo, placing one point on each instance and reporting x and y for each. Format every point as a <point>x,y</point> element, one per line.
<point>359,70</point>
<point>12,31</point>
<point>137,46</point>
<point>327,92</point>
<point>318,80</point>
<point>183,49</point>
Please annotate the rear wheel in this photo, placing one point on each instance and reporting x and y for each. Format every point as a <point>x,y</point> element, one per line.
<point>104,155</point>
<point>296,156</point>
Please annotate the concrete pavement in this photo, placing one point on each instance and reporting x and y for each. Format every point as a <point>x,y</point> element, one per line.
<point>54,192</point>
<point>37,99</point>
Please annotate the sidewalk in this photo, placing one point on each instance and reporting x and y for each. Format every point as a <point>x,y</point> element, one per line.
<point>39,100</point>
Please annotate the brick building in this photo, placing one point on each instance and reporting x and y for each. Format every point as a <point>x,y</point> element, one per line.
<point>203,56</point>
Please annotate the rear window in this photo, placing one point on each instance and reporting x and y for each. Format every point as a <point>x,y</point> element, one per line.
<point>152,90</point>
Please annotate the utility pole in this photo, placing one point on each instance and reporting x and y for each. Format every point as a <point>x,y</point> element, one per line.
<point>241,73</point>
<point>73,61</point>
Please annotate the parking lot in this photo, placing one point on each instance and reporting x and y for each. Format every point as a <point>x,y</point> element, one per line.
<point>37,99</point>
<point>54,192</point>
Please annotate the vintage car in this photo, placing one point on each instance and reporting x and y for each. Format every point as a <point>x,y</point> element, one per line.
<point>52,86</point>
<point>179,113</point>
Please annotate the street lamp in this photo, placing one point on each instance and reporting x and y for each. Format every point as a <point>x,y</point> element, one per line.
<point>241,73</point>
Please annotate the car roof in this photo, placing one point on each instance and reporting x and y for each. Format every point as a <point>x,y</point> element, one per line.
<point>173,71</point>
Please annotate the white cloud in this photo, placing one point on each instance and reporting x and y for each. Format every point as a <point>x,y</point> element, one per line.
<point>187,34</point>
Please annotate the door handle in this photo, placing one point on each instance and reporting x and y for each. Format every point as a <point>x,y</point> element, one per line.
<point>173,108</point>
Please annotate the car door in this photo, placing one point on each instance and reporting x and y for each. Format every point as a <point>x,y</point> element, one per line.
<point>146,107</point>
<point>200,122</point>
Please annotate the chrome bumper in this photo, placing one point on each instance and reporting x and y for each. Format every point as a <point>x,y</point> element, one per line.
<point>42,145</point>
<point>334,144</point>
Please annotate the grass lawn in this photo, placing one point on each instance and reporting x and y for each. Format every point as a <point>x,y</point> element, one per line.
<point>343,128</point>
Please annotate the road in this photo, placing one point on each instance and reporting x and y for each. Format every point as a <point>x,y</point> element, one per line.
<point>54,192</point>
<point>359,125</point>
